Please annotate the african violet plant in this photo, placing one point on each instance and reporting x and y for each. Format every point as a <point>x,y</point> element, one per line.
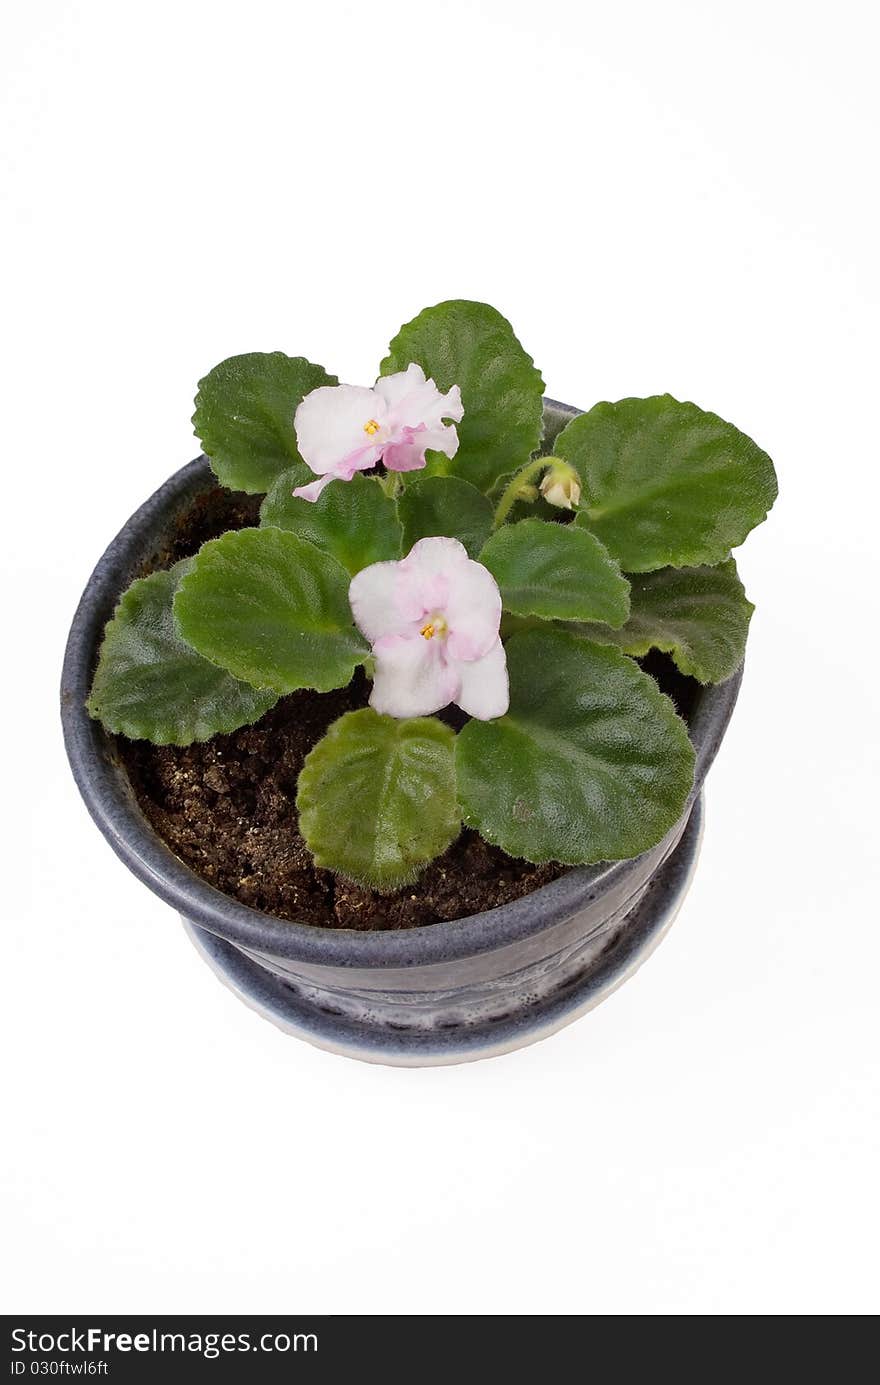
<point>421,529</point>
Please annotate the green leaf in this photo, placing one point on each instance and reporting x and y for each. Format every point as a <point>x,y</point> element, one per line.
<point>445,505</point>
<point>271,609</point>
<point>546,569</point>
<point>377,798</point>
<point>698,615</point>
<point>473,346</point>
<point>666,484</point>
<point>244,415</point>
<point>591,763</point>
<point>354,520</point>
<point>150,685</point>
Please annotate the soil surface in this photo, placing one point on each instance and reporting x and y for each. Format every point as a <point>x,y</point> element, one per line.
<point>227,807</point>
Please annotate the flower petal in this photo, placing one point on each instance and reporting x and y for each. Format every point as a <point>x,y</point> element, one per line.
<point>372,595</point>
<point>412,400</point>
<point>435,554</point>
<point>484,690</point>
<point>331,431</point>
<point>412,677</point>
<point>401,385</point>
<point>424,575</point>
<point>406,451</point>
<point>312,491</point>
<point>472,610</point>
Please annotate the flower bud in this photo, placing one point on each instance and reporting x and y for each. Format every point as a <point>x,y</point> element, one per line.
<point>561,485</point>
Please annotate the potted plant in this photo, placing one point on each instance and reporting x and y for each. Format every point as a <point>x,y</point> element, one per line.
<point>403,695</point>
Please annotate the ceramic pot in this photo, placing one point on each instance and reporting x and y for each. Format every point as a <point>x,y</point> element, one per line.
<point>444,993</point>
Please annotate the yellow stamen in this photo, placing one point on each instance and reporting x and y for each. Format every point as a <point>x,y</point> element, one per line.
<point>371,426</point>
<point>436,626</point>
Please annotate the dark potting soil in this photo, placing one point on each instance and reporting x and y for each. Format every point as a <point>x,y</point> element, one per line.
<point>227,807</point>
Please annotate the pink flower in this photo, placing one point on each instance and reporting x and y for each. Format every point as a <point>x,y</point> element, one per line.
<point>433,621</point>
<point>341,429</point>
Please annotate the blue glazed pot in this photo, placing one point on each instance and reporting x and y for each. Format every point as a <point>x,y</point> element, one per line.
<point>444,993</point>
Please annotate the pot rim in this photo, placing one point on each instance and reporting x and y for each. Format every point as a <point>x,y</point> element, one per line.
<point>112,804</point>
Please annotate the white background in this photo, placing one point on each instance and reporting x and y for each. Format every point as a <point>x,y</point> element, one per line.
<point>670,197</point>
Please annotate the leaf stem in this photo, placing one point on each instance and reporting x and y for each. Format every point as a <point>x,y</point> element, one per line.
<point>390,484</point>
<point>511,493</point>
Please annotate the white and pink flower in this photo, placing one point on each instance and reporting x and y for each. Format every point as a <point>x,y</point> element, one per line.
<point>343,429</point>
<point>433,623</point>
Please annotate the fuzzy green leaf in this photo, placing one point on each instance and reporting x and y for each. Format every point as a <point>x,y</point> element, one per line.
<point>591,763</point>
<point>244,415</point>
<point>271,609</point>
<point>445,505</point>
<point>354,520</point>
<point>546,569</point>
<point>666,484</point>
<point>473,346</point>
<point>377,798</point>
<point>698,615</point>
<point>150,685</point>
